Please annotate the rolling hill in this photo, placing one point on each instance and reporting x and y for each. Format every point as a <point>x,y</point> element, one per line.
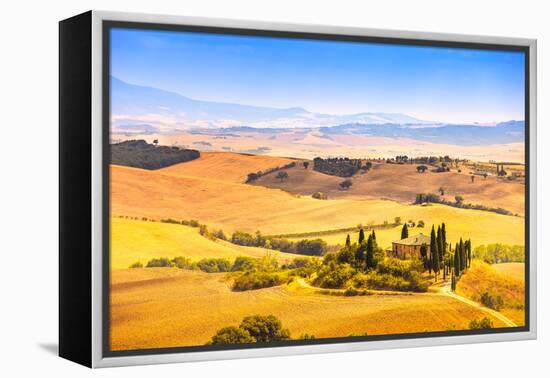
<point>135,240</point>
<point>235,206</point>
<point>163,307</point>
<point>225,166</point>
<point>402,183</point>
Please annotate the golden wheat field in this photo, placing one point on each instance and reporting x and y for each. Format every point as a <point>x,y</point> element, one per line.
<point>236,206</point>
<point>506,281</point>
<point>225,166</point>
<point>401,182</point>
<point>168,307</point>
<point>136,240</point>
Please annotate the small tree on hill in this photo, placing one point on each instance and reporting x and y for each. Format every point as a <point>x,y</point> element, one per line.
<point>404,232</point>
<point>459,200</point>
<point>421,169</point>
<point>346,184</point>
<point>348,241</point>
<point>281,176</point>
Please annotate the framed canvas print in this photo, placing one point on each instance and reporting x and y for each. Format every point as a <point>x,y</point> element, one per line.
<point>234,189</point>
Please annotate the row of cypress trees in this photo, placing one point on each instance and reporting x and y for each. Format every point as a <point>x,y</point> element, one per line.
<point>440,259</point>
<point>366,248</point>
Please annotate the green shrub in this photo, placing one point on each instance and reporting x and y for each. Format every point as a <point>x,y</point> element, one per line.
<point>162,262</point>
<point>219,234</point>
<point>494,302</point>
<point>137,264</point>
<point>232,335</point>
<point>243,238</point>
<point>334,276</point>
<point>256,280</point>
<point>311,247</point>
<point>499,253</point>
<point>484,323</point>
<point>384,281</point>
<point>183,263</point>
<point>265,328</point>
<point>243,263</point>
<point>214,265</point>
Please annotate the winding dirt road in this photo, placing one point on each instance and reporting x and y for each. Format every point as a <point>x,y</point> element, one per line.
<point>442,290</point>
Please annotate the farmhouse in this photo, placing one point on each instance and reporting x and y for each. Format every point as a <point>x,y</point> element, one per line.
<point>409,248</point>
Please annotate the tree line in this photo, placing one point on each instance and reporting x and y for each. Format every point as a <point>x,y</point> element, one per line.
<point>253,176</point>
<point>422,198</point>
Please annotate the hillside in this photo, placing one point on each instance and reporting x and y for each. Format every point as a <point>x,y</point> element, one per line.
<point>235,206</point>
<point>163,307</point>
<point>133,240</point>
<point>506,282</point>
<point>226,166</point>
<point>402,183</point>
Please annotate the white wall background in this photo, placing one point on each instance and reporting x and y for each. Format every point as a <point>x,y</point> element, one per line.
<point>28,184</point>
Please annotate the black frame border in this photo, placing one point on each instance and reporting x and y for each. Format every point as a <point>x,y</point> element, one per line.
<point>107,25</point>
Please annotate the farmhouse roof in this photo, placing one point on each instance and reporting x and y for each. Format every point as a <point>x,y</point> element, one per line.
<point>414,240</point>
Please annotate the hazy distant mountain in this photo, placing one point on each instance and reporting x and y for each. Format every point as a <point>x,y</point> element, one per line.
<point>505,132</point>
<point>139,110</point>
<point>130,103</point>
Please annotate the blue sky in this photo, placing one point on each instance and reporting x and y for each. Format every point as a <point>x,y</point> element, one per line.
<point>441,84</point>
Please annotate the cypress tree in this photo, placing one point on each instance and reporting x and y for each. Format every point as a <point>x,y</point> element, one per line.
<point>444,236</point>
<point>462,259</point>
<point>469,253</point>
<point>439,240</point>
<point>424,254</point>
<point>404,232</point>
<point>436,265</point>
<point>361,236</point>
<point>348,241</point>
<point>434,251</point>
<point>369,258</point>
<point>457,262</point>
<point>360,254</point>
<point>373,235</point>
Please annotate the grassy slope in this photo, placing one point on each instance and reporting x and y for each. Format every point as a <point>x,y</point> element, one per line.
<point>133,240</point>
<point>225,166</point>
<point>506,282</point>
<point>402,183</point>
<point>513,270</point>
<point>157,307</point>
<point>233,206</point>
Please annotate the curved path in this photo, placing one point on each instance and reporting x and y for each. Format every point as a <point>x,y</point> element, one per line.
<point>442,290</point>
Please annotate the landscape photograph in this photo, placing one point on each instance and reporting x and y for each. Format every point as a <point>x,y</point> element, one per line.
<point>270,190</point>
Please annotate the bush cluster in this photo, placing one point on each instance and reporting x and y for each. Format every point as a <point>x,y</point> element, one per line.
<point>500,253</point>
<point>256,328</point>
<point>309,247</point>
<point>252,280</point>
<point>253,176</point>
<point>483,323</point>
<point>422,198</point>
